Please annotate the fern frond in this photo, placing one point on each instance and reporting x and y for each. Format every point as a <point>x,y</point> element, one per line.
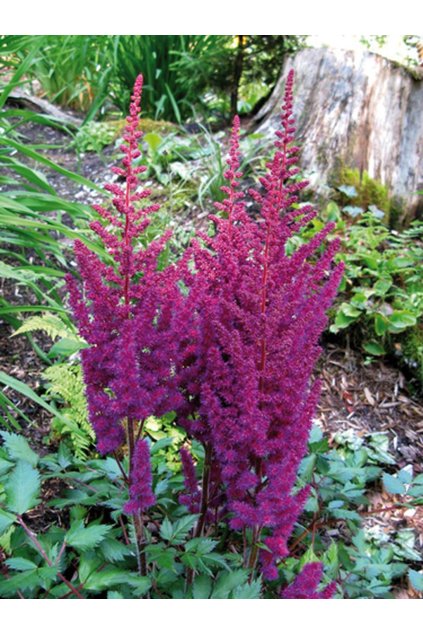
<point>66,383</point>
<point>51,324</point>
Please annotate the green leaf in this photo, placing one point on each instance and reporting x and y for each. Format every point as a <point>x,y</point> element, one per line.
<point>393,485</point>
<point>341,321</point>
<point>65,347</point>
<point>227,582</point>
<point>113,550</point>
<point>5,466</point>
<point>21,581</point>
<point>248,591</point>
<point>201,587</point>
<point>6,520</point>
<point>402,262</point>
<point>85,538</point>
<point>21,564</point>
<point>416,491</point>
<point>375,348</point>
<point>24,389</point>
<point>349,310</point>
<point>406,474</point>
<point>381,324</point>
<point>176,533</point>
<point>401,319</point>
<point>153,140</point>
<point>22,488</point>
<point>307,467</point>
<point>382,286</point>
<point>18,448</point>
<point>416,580</point>
<point>348,190</point>
<point>166,529</point>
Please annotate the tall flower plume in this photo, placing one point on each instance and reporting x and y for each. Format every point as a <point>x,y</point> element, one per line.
<point>259,313</point>
<point>123,309</point>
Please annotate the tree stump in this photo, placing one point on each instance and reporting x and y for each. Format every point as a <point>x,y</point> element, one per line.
<point>356,109</point>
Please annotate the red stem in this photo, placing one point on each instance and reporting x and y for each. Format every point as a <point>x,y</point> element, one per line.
<point>43,554</point>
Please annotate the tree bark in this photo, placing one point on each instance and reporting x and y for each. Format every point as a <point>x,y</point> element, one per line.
<point>357,109</point>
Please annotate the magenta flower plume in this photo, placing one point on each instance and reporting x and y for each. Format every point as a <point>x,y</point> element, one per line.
<point>124,309</point>
<point>140,492</point>
<point>305,584</point>
<point>254,317</point>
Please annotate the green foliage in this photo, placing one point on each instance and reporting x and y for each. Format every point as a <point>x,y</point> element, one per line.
<point>182,73</point>
<point>97,541</point>
<point>69,68</point>
<point>94,136</point>
<point>366,560</point>
<point>381,295</point>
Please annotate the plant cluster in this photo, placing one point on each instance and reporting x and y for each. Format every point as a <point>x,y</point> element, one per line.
<point>230,351</point>
<point>381,299</point>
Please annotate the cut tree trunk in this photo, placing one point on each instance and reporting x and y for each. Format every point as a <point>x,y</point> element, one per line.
<point>356,109</point>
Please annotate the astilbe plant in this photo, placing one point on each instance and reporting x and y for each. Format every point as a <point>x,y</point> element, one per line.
<point>254,315</point>
<point>123,313</point>
<point>227,338</point>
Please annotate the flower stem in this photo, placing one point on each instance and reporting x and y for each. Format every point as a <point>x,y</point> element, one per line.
<point>44,555</point>
<point>204,492</point>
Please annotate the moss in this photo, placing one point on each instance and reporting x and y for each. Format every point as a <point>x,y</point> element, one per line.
<point>146,125</point>
<point>369,191</point>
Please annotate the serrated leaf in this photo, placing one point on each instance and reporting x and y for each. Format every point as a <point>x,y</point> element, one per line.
<point>113,550</point>
<point>20,563</point>
<point>392,485</point>
<point>227,582</point>
<point>18,448</point>
<point>19,582</point>
<point>201,587</point>
<point>200,545</point>
<point>166,529</point>
<point>140,585</point>
<point>177,532</point>
<point>22,488</point>
<point>104,579</point>
<point>248,591</point>
<point>85,538</point>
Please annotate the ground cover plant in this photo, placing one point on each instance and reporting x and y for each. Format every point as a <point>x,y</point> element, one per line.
<point>182,460</point>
